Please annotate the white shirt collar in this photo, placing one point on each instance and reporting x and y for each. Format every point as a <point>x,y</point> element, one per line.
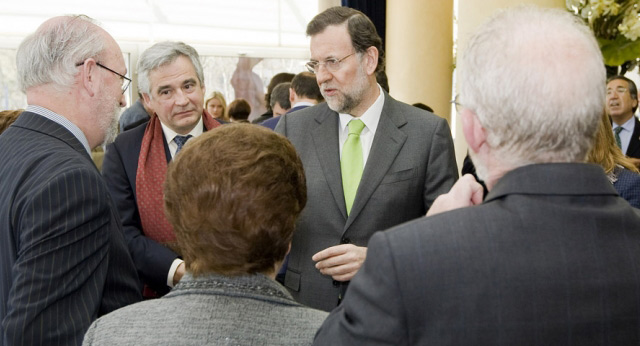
<point>629,125</point>
<point>169,135</point>
<point>302,103</point>
<point>370,118</point>
<point>62,121</point>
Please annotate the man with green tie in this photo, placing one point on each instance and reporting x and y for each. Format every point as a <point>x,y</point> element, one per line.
<point>371,162</point>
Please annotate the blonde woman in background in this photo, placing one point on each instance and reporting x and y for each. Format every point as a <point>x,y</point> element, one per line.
<point>217,106</point>
<point>621,171</point>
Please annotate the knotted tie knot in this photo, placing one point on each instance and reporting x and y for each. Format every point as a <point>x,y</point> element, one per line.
<point>180,141</point>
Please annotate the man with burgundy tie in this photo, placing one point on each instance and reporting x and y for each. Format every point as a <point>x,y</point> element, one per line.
<point>171,82</point>
<point>371,162</point>
<point>622,102</point>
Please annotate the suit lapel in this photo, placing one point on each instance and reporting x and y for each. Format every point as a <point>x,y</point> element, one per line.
<point>325,140</point>
<point>634,144</point>
<point>387,143</point>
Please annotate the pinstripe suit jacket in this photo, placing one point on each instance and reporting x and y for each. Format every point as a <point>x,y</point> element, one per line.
<point>550,257</point>
<point>63,259</point>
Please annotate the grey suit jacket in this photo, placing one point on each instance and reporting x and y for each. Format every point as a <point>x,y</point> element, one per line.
<point>212,310</point>
<point>550,257</point>
<point>63,259</point>
<point>411,162</point>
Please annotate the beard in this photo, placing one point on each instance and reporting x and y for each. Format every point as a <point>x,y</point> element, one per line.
<point>108,122</point>
<point>345,102</point>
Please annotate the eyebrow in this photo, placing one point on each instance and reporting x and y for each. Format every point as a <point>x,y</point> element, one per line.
<point>165,87</point>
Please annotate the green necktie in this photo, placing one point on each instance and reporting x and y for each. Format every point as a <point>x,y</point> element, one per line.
<point>617,134</point>
<point>351,162</point>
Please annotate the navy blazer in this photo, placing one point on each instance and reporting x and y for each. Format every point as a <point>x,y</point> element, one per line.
<point>152,259</point>
<point>628,186</point>
<point>63,258</point>
<point>272,122</point>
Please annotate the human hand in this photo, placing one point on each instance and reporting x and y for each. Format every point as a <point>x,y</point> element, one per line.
<point>464,193</point>
<point>341,262</point>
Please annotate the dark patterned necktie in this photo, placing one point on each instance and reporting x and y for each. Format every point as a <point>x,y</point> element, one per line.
<point>180,141</point>
<point>617,134</point>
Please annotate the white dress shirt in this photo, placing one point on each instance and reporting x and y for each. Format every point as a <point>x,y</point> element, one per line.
<point>370,118</point>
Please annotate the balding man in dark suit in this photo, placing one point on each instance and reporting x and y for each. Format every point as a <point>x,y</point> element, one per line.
<point>63,258</point>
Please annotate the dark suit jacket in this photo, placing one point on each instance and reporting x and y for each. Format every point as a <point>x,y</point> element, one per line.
<point>152,259</point>
<point>634,144</point>
<point>273,121</point>
<point>551,257</point>
<point>63,258</point>
<point>628,186</point>
<point>411,162</point>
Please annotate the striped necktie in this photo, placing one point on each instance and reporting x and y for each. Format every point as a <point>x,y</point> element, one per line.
<point>617,135</point>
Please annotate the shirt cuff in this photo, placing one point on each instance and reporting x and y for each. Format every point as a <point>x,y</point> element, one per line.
<point>172,271</point>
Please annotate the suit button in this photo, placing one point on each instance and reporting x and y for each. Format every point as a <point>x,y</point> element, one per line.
<point>345,241</point>
<point>336,283</point>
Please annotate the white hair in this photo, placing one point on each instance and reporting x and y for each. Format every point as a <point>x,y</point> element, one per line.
<point>161,54</point>
<point>50,55</point>
<point>536,79</point>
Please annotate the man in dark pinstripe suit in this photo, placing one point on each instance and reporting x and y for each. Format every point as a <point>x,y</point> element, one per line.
<point>63,260</point>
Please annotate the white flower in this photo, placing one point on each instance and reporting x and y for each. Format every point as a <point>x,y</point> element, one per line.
<point>603,8</point>
<point>630,26</point>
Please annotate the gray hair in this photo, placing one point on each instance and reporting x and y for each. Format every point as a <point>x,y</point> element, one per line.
<point>50,54</point>
<point>161,54</point>
<point>536,80</point>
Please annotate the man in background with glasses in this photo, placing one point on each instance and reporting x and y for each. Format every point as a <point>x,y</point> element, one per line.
<point>371,162</point>
<point>171,82</point>
<point>63,258</point>
<point>622,102</point>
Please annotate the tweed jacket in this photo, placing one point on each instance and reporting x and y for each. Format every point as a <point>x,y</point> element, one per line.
<point>212,310</point>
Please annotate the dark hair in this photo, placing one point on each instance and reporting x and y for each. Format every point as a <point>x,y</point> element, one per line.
<point>280,94</point>
<point>423,106</point>
<point>233,196</point>
<point>281,77</point>
<point>381,78</point>
<point>304,84</point>
<point>633,90</point>
<point>361,29</point>
<point>239,109</point>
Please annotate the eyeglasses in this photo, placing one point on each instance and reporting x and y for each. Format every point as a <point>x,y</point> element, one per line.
<point>125,81</point>
<point>456,103</point>
<point>331,64</point>
<point>618,90</point>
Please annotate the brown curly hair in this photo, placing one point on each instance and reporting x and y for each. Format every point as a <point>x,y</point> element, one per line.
<point>233,196</point>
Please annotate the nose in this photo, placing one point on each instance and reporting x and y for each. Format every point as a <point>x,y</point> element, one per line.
<point>322,74</point>
<point>181,98</point>
<point>122,101</point>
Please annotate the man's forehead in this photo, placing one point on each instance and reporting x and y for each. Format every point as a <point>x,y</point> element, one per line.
<point>617,83</point>
<point>333,40</point>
